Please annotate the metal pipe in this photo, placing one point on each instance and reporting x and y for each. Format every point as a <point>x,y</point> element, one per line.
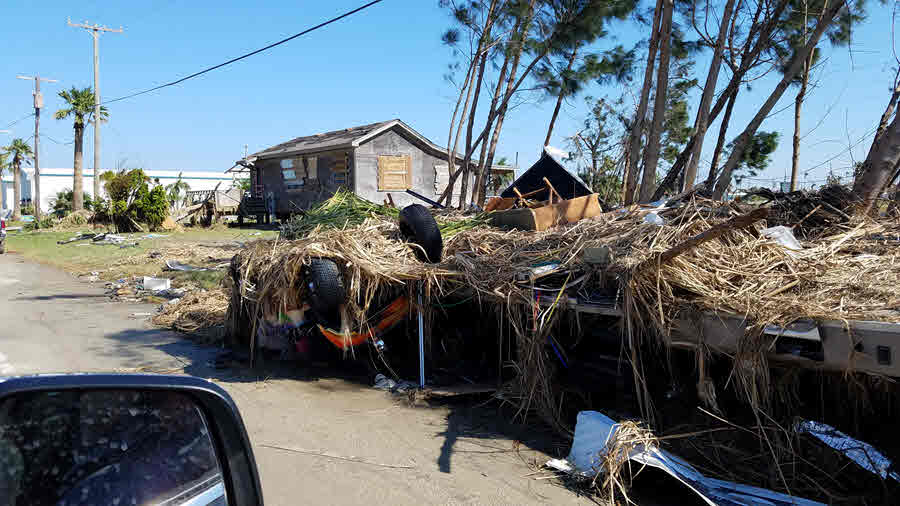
<point>421,340</point>
<point>424,198</point>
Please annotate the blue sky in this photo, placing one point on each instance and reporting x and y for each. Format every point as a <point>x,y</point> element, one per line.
<point>386,62</point>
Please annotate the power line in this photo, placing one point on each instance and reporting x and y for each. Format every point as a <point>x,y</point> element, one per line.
<point>23,118</point>
<point>270,46</point>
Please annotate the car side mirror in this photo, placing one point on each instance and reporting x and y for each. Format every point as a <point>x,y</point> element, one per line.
<point>123,440</point>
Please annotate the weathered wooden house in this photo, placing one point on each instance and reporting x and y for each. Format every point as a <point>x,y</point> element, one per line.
<point>370,160</point>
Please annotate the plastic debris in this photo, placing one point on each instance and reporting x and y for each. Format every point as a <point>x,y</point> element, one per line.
<point>783,236</point>
<point>173,265</point>
<point>654,219</point>
<point>864,454</point>
<point>592,432</point>
<point>156,284</point>
<point>382,382</point>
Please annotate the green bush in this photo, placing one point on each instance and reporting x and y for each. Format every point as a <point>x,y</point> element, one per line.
<point>132,199</point>
<point>62,203</point>
<point>45,222</point>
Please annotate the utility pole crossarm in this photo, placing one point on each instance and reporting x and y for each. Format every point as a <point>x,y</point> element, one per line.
<point>31,78</point>
<point>96,27</point>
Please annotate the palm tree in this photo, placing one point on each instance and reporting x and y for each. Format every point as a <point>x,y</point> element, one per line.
<point>81,107</point>
<point>4,164</point>
<point>21,153</point>
<point>174,191</point>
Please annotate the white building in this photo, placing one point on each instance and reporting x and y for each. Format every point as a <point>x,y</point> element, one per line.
<point>57,180</point>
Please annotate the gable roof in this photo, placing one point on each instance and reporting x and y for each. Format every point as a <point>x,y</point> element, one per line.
<point>564,182</point>
<point>347,138</point>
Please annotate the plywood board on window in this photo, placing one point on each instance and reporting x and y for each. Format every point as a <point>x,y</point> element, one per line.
<point>394,172</point>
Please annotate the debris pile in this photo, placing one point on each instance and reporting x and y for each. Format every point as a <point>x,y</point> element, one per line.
<point>653,266</point>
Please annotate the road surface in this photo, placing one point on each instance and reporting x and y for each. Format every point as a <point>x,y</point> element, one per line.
<point>450,454</point>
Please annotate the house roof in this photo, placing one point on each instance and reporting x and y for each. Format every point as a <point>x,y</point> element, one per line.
<point>344,139</point>
<point>568,185</point>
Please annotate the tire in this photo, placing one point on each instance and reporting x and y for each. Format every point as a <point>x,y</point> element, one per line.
<point>326,289</point>
<point>2,246</point>
<point>418,225</point>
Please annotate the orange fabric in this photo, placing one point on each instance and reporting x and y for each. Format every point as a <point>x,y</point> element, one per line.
<point>393,314</point>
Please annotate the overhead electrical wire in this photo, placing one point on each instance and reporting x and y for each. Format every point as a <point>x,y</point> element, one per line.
<point>23,118</point>
<point>260,50</point>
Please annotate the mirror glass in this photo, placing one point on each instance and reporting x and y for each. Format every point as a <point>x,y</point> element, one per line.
<point>111,447</point>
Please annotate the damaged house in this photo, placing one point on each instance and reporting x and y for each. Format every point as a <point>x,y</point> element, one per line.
<point>370,160</point>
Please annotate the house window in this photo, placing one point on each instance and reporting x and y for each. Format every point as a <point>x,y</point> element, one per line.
<point>289,174</point>
<point>287,163</point>
<point>394,172</point>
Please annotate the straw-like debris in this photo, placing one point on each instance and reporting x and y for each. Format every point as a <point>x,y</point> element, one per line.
<point>201,312</point>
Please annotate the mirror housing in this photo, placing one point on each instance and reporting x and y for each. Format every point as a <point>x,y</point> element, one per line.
<point>226,428</point>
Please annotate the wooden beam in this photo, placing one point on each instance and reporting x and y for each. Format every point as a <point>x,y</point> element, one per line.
<point>742,221</point>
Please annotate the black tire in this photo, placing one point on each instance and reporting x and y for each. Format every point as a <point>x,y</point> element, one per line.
<point>418,225</point>
<point>2,246</point>
<point>326,290</point>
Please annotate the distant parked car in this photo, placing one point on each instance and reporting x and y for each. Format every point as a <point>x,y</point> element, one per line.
<point>2,236</point>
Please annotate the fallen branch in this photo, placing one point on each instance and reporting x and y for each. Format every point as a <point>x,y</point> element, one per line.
<point>742,221</point>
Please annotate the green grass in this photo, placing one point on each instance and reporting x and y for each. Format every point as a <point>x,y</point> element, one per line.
<point>83,256</point>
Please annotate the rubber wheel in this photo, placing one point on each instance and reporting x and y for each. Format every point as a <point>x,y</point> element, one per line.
<point>2,247</point>
<point>418,225</point>
<point>326,289</point>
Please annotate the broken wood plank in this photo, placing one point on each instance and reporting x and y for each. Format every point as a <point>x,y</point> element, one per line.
<point>742,221</point>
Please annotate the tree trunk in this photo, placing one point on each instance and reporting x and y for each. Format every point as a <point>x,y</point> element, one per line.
<point>637,127</point>
<point>798,106</point>
<point>797,63</point>
<point>512,84</point>
<point>451,158</point>
<point>702,123</point>
<point>562,95</point>
<point>482,53</point>
<point>879,166</point>
<point>486,130</point>
<point>492,113</point>
<point>17,189</point>
<point>466,165</point>
<point>720,143</point>
<point>877,171</point>
<point>651,158</point>
<point>748,59</point>
<point>77,183</point>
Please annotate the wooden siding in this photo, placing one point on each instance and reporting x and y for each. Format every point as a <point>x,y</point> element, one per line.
<point>316,179</point>
<point>392,143</point>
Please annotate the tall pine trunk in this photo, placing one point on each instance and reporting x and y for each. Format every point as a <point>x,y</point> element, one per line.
<point>798,106</point>
<point>651,158</point>
<point>17,188</point>
<point>512,84</point>
<point>637,127</point>
<point>562,95</point>
<point>795,66</point>
<point>77,183</point>
<point>882,163</point>
<point>481,54</point>
<point>702,123</point>
<point>451,153</point>
<point>720,142</point>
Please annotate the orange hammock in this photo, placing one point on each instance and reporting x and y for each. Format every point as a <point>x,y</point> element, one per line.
<point>393,314</point>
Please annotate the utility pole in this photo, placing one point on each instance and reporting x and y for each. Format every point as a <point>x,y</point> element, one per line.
<point>38,104</point>
<point>95,30</point>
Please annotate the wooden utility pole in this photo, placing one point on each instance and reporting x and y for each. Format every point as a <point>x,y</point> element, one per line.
<point>95,30</point>
<point>38,104</point>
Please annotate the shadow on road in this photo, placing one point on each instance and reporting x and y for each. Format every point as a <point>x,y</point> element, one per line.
<point>68,296</point>
<point>476,426</point>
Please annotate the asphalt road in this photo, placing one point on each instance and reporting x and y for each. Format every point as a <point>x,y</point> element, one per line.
<point>448,454</point>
